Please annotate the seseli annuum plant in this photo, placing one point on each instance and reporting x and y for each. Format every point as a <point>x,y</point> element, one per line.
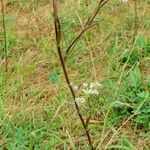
<point>87,88</point>
<point>88,24</point>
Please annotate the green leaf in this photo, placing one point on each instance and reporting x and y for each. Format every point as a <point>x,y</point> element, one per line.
<point>136,77</point>
<point>53,76</point>
<point>140,41</point>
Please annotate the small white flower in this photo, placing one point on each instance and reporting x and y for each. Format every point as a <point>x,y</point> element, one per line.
<point>85,84</point>
<point>124,1</point>
<point>96,92</point>
<point>75,87</point>
<point>95,84</point>
<point>80,99</point>
<point>85,91</point>
<point>92,85</point>
<point>98,84</point>
<point>91,91</point>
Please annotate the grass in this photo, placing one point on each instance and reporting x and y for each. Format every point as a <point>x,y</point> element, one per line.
<point>36,108</point>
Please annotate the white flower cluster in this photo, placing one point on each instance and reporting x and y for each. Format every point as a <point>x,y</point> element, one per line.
<point>80,100</point>
<point>92,85</point>
<point>91,91</point>
<point>92,88</point>
<point>88,89</point>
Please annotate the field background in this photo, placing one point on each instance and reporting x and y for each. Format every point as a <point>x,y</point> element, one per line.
<point>36,108</point>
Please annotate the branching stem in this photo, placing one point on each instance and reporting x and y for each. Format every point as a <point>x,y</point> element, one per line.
<point>58,39</point>
<point>87,25</point>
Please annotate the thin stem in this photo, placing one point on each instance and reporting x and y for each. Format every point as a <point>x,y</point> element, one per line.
<point>100,5</point>
<point>135,21</point>
<point>87,43</point>
<point>75,41</point>
<point>87,25</point>
<point>5,36</point>
<point>58,39</point>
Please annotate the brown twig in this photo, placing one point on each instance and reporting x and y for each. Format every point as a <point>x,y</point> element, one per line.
<point>87,25</point>
<point>5,36</point>
<point>58,39</point>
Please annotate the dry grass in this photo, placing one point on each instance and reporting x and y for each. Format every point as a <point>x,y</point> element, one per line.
<point>31,99</point>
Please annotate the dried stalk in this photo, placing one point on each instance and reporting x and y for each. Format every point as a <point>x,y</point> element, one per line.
<point>58,39</point>
<point>135,21</point>
<point>87,25</point>
<point>5,36</point>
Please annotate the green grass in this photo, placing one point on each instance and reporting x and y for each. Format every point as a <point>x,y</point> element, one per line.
<point>36,108</point>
